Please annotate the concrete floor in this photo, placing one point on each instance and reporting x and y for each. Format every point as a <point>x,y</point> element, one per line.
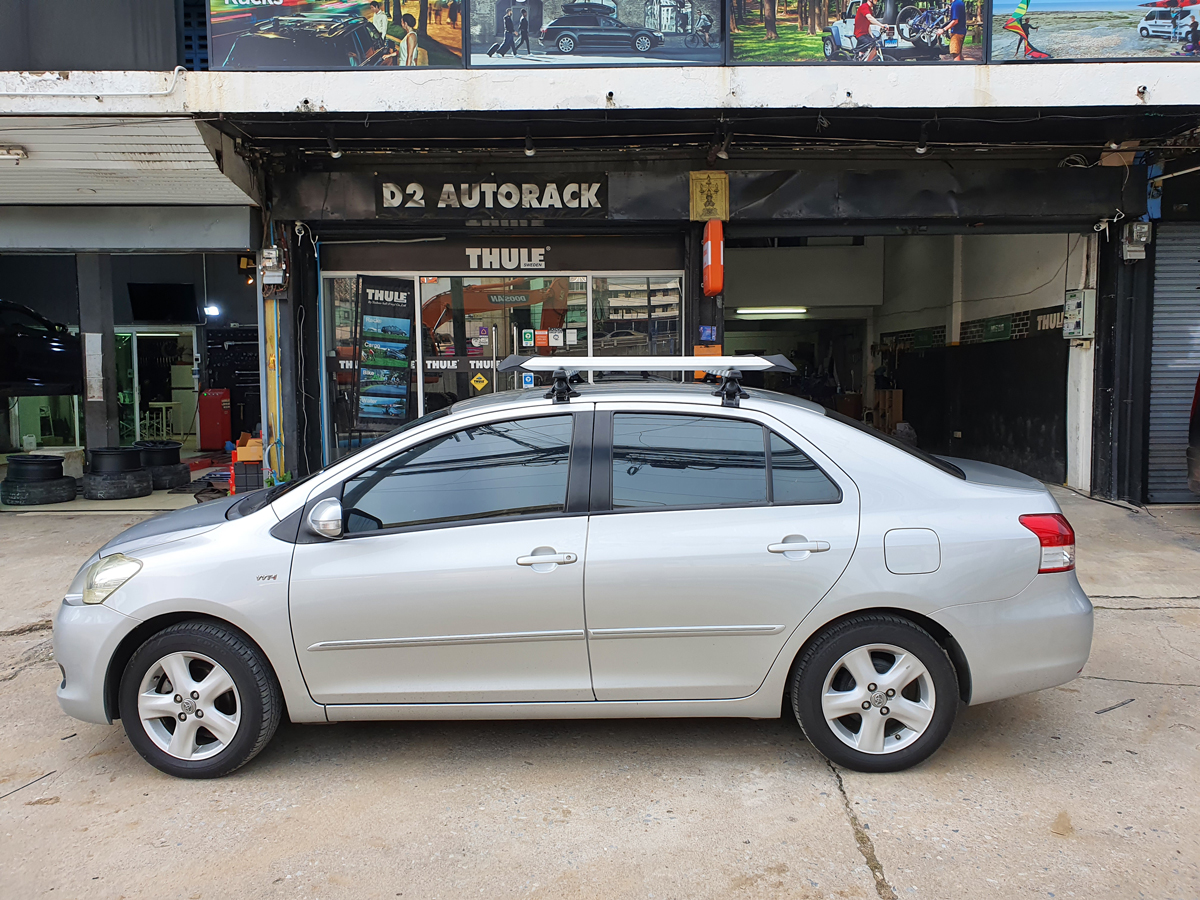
<point>1064,793</point>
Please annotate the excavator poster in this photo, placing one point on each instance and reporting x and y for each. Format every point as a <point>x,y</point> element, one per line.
<point>383,351</point>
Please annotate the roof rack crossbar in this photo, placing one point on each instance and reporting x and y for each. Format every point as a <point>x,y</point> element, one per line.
<point>716,365</point>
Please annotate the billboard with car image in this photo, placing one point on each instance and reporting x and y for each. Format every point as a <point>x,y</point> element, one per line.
<point>334,34</point>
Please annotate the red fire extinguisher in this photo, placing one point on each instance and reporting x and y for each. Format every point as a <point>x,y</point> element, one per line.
<point>714,258</point>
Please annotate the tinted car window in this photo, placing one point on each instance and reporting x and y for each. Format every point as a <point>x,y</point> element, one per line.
<point>662,461</point>
<point>948,467</point>
<point>795,478</point>
<point>16,320</point>
<point>516,468</point>
<point>575,20</point>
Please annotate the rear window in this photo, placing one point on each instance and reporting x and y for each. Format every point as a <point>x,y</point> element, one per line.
<point>947,467</point>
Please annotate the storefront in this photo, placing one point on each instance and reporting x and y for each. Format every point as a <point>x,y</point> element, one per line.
<point>412,327</point>
<point>905,292</point>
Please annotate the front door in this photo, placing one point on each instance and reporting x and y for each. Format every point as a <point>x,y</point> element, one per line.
<point>459,578</point>
<point>691,590</point>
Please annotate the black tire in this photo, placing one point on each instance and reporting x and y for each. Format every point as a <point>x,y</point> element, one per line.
<point>34,493</point>
<point>885,57</point>
<point>1144,32</point>
<point>117,485</point>
<point>164,478</point>
<point>831,52</point>
<point>643,43</point>
<point>692,41</point>
<point>258,696</point>
<point>817,663</point>
<point>566,44</point>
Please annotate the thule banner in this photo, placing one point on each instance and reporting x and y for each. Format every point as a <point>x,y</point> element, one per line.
<point>500,197</point>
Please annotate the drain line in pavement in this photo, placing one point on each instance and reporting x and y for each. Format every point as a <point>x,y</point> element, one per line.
<point>865,847</point>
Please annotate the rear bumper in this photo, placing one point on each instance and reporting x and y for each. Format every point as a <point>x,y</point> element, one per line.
<point>1038,639</point>
<point>85,638</point>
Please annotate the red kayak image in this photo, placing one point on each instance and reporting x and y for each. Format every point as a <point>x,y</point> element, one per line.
<point>1170,4</point>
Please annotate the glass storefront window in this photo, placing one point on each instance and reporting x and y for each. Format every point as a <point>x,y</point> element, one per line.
<point>44,421</point>
<point>637,316</point>
<point>470,323</point>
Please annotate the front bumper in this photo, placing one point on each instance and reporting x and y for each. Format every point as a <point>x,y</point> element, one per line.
<point>85,639</point>
<point>1038,639</point>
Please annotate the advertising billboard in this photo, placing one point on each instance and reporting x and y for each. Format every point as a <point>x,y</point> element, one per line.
<point>1096,29</point>
<point>382,391</point>
<point>334,34</point>
<point>596,32</point>
<point>862,31</point>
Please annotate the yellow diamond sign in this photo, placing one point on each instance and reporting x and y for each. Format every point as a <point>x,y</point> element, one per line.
<point>479,381</point>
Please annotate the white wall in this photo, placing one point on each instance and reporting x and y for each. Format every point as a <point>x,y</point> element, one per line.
<point>814,276</point>
<point>917,281</point>
<point>1005,273</point>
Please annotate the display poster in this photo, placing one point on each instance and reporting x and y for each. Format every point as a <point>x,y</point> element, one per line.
<point>1095,29</point>
<point>596,32</point>
<point>334,34</point>
<point>856,31</point>
<point>383,344</point>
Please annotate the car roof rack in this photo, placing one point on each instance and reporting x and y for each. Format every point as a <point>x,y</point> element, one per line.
<point>728,368</point>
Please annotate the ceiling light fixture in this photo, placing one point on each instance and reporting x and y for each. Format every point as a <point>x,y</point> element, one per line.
<point>772,310</point>
<point>335,152</point>
<point>530,150</point>
<point>723,153</point>
<point>16,154</point>
<point>213,311</point>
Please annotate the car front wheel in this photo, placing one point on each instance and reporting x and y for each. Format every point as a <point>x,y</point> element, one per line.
<point>199,700</point>
<point>831,51</point>
<point>642,43</point>
<point>566,44</point>
<point>875,693</point>
<point>1144,33</point>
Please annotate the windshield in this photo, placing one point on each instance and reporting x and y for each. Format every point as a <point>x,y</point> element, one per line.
<point>947,467</point>
<point>257,500</point>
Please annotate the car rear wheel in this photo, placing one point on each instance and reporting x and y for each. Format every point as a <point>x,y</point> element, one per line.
<point>875,693</point>
<point>642,43</point>
<point>199,700</point>
<point>566,44</point>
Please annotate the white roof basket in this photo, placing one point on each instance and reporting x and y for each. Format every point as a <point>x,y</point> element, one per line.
<point>728,368</point>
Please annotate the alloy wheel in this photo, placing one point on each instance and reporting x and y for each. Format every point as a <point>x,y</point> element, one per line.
<point>878,698</point>
<point>189,706</point>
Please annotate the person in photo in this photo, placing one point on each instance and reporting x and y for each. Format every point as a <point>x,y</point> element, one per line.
<point>378,18</point>
<point>508,43</point>
<point>408,46</point>
<point>957,28</point>
<point>523,34</point>
<point>452,10</point>
<point>864,18</point>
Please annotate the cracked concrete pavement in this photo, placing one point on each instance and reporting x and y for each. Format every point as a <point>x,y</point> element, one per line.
<point>1085,790</point>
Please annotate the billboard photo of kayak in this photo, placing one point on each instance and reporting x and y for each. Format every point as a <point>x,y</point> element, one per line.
<point>1033,30</point>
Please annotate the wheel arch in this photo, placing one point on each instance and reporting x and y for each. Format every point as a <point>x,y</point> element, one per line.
<point>958,658</point>
<point>146,630</point>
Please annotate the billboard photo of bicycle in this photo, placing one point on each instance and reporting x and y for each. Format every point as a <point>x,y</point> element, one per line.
<point>856,31</point>
<point>1096,29</point>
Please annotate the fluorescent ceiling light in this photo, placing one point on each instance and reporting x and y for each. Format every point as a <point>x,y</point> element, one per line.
<point>771,310</point>
<point>17,153</point>
<point>212,310</point>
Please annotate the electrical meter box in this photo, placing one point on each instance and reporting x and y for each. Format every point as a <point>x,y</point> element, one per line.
<point>1079,314</point>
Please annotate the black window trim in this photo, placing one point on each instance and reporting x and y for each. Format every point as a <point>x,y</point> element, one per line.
<point>602,462</point>
<point>575,503</point>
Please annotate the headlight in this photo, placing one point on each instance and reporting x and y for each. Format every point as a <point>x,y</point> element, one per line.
<point>107,575</point>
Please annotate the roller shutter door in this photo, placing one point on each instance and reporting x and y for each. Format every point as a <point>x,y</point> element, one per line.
<point>1175,360</point>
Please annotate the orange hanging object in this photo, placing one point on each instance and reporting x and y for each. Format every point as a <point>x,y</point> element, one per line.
<point>714,257</point>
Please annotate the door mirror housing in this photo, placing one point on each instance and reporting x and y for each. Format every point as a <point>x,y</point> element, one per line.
<point>325,519</point>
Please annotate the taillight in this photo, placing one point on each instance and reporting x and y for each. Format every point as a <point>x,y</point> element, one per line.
<point>1057,539</point>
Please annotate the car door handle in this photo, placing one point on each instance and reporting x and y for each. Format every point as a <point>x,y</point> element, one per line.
<point>799,546</point>
<point>558,558</point>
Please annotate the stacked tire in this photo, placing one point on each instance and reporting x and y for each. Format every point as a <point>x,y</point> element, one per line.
<point>161,460</point>
<point>34,479</point>
<point>116,473</point>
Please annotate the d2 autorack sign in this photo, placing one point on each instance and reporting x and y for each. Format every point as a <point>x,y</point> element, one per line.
<point>575,196</point>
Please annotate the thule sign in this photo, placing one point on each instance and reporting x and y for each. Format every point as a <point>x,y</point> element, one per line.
<point>420,197</point>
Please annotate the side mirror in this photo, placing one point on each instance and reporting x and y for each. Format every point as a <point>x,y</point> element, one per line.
<point>326,518</point>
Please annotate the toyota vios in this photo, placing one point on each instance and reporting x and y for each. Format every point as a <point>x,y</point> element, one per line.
<point>598,551</point>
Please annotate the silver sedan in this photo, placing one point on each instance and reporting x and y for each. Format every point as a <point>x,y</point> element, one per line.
<point>638,550</point>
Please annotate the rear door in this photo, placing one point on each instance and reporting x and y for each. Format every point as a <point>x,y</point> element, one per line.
<point>690,588</point>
